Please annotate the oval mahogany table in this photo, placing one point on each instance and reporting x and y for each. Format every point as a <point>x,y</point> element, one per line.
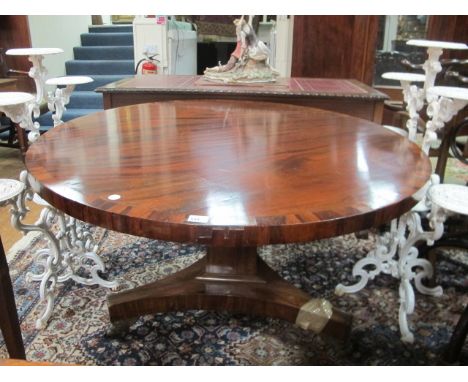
<point>231,175</point>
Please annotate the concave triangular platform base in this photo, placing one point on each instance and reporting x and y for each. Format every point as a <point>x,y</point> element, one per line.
<point>226,279</point>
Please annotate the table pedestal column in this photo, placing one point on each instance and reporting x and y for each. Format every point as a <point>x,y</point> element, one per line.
<point>235,280</point>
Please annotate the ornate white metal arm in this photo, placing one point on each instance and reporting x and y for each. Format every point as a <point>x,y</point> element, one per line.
<point>61,96</point>
<point>38,73</point>
<point>441,110</point>
<point>414,99</point>
<point>431,68</point>
<point>21,113</point>
<point>57,102</point>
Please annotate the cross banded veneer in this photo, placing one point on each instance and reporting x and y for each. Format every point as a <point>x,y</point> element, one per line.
<point>232,175</point>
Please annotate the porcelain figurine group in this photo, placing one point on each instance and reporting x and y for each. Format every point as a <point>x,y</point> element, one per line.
<point>248,62</point>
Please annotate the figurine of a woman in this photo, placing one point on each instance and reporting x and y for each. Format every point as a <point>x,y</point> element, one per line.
<point>248,61</point>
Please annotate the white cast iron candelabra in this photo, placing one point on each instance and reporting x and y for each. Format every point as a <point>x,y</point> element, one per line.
<point>395,252</point>
<point>38,73</point>
<point>71,249</point>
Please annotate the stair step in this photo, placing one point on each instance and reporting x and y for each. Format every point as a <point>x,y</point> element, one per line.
<point>103,52</point>
<point>110,28</point>
<point>106,39</point>
<point>87,67</point>
<point>76,113</point>
<point>85,100</point>
<point>69,114</point>
<point>100,80</point>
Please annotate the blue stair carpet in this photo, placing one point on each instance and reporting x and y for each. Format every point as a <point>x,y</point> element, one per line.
<point>107,39</point>
<point>103,52</point>
<point>106,55</point>
<point>86,67</point>
<point>110,28</point>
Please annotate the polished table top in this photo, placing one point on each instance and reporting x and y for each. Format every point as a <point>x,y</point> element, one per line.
<point>259,173</point>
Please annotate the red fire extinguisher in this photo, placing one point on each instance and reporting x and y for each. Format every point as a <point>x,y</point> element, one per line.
<point>149,65</point>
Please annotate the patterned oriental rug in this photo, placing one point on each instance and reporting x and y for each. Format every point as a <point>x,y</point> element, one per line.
<point>77,330</point>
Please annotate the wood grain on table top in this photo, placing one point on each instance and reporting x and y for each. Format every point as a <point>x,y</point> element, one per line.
<point>261,172</point>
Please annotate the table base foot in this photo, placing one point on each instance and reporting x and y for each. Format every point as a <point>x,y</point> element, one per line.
<point>233,280</point>
<point>119,328</point>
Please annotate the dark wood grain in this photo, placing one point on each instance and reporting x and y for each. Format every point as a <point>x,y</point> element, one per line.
<point>341,95</point>
<point>340,46</point>
<point>9,324</point>
<point>263,173</point>
<point>452,28</point>
<point>234,280</point>
<point>14,33</point>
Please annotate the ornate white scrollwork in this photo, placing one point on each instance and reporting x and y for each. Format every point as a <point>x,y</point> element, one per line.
<point>58,100</point>
<point>38,73</point>
<point>414,99</point>
<point>432,67</point>
<point>440,110</point>
<point>21,113</point>
<point>71,250</point>
<point>395,254</point>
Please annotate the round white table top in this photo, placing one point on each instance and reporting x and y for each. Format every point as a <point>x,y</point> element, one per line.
<point>69,80</point>
<point>450,92</point>
<point>451,197</point>
<point>33,51</point>
<point>9,188</point>
<point>14,98</point>
<point>437,44</point>
<point>401,76</point>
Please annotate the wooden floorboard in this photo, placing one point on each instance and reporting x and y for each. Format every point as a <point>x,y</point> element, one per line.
<point>11,165</point>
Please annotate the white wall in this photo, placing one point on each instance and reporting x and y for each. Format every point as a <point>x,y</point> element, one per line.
<point>57,32</point>
<point>284,42</point>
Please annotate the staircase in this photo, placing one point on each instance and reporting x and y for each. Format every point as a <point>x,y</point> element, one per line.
<point>106,55</point>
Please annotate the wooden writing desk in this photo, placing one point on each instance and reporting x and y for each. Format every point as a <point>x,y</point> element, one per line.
<point>340,95</point>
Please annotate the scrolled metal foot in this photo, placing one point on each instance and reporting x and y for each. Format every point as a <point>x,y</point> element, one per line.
<point>70,250</point>
<point>396,254</point>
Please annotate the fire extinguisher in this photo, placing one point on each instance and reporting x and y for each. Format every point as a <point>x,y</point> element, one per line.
<point>149,65</point>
